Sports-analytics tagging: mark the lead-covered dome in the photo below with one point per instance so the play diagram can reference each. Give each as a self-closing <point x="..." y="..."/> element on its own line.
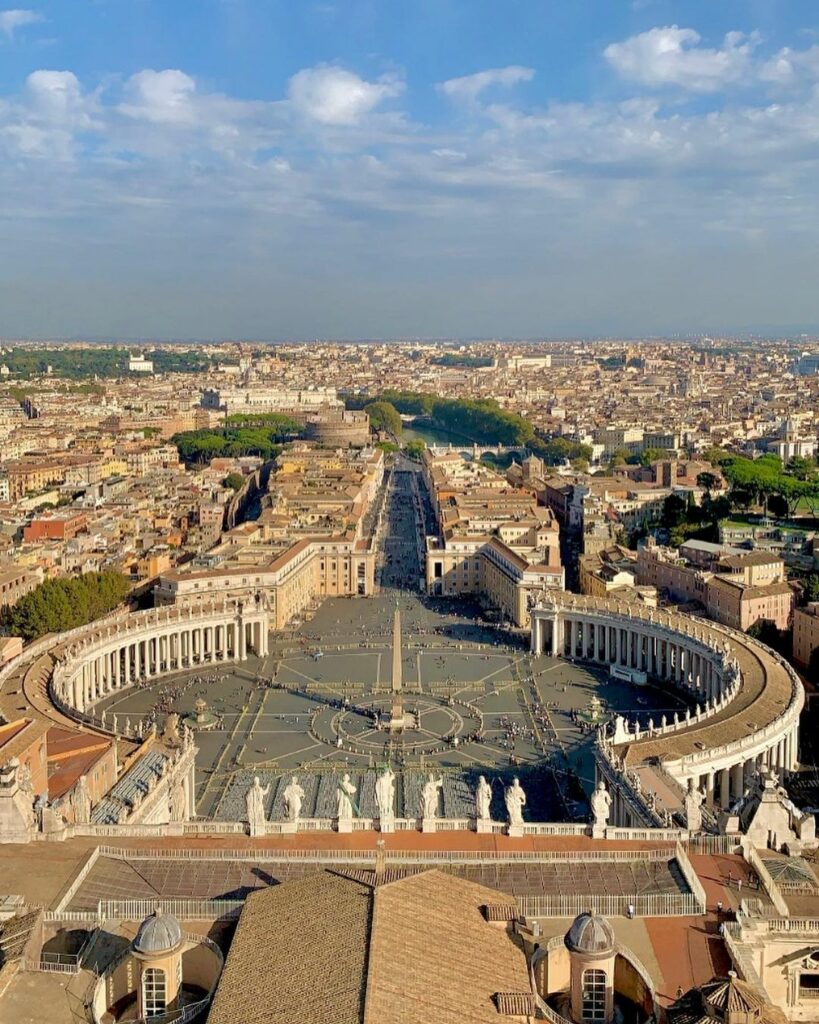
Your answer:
<point x="158" y="933"/>
<point x="590" y="934"/>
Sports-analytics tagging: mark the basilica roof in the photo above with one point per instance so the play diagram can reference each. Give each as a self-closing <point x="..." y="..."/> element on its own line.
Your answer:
<point x="343" y="950"/>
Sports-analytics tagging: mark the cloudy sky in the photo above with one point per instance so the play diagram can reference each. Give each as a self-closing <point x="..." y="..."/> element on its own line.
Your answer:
<point x="391" y="168"/>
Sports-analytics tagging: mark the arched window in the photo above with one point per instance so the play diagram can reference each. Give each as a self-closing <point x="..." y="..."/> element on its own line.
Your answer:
<point x="154" y="993"/>
<point x="594" y="995"/>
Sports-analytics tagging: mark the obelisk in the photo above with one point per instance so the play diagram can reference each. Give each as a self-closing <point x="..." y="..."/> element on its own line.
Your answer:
<point x="397" y="714"/>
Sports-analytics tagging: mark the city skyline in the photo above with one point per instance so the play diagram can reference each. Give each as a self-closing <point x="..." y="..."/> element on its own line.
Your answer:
<point x="239" y="169"/>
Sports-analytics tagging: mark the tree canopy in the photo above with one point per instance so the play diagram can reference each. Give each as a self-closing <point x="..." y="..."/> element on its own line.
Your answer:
<point x="235" y="481"/>
<point x="384" y="417"/>
<point x="199" y="446"/>
<point x="479" y="420"/>
<point x="760" y="480"/>
<point x="57" y="605"/>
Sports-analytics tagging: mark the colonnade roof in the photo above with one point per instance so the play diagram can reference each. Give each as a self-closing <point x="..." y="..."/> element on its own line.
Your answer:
<point x="766" y="691"/>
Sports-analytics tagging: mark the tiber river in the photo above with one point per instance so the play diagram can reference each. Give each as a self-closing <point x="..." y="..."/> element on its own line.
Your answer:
<point x="432" y="435"/>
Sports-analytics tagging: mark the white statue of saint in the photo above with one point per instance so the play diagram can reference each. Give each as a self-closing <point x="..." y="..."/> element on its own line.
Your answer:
<point x="293" y="797"/>
<point x="601" y="805"/>
<point x="429" y="796"/>
<point x="694" y="800"/>
<point x="483" y="799"/>
<point x="255" y="806"/>
<point x="178" y="802"/>
<point x="385" y="795"/>
<point x="515" y="800"/>
<point x="344" y="799"/>
<point x="81" y="801"/>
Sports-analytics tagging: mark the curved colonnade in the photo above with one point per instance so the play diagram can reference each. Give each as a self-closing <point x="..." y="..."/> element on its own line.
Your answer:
<point x="748" y="698"/>
<point x="114" y="654"/>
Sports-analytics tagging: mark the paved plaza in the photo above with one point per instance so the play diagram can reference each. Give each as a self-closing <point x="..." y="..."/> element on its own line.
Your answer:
<point x="316" y="705"/>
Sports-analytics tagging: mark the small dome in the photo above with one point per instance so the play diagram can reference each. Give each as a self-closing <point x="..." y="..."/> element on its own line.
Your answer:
<point x="158" y="933"/>
<point x="590" y="933"/>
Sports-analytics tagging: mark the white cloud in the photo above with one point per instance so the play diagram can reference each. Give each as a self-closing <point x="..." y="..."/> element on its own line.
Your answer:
<point x="788" y="67"/>
<point x="10" y="21"/>
<point x="468" y="87"/>
<point x="334" y="96"/>
<point x="56" y="96"/>
<point x="673" y="56"/>
<point x="163" y="97"/>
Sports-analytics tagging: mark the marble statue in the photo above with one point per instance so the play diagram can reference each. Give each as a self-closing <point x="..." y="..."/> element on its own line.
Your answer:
<point x="178" y="803"/>
<point x="515" y="800"/>
<point x="694" y="800"/>
<point x="293" y="797"/>
<point x="170" y="733"/>
<point x="385" y="795"/>
<point x="483" y="799"/>
<point x="255" y="799"/>
<point x="429" y="796"/>
<point x="344" y="799"/>
<point x="81" y="801"/>
<point x="601" y="805"/>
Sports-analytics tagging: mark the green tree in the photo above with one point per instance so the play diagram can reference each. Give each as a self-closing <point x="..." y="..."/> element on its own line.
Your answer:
<point x="61" y="604"/>
<point x="235" y="481"/>
<point x="716" y="456"/>
<point x="415" y="448"/>
<point x="649" y="455"/>
<point x="802" y="468"/>
<point x="618" y="457"/>
<point x="812" y="587"/>
<point x="708" y="481"/>
<point x="384" y="417"/>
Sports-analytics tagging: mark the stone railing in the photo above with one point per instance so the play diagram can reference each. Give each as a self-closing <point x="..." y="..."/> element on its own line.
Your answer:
<point x="392" y="857"/>
<point x="645" y="905"/>
<point x="732" y="937"/>
<point x="765" y="878"/>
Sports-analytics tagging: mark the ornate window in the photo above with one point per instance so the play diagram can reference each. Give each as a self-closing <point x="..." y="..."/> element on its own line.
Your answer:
<point x="154" y="993"/>
<point x="594" y="995"/>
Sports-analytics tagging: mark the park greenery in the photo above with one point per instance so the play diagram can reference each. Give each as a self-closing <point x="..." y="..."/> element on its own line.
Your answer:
<point x="480" y="420"/>
<point x="557" y="450"/>
<point x="762" y="483"/>
<point x="57" y="605"/>
<point x="263" y="439"/>
<point x="102" y="361"/>
<point x="460" y="359"/>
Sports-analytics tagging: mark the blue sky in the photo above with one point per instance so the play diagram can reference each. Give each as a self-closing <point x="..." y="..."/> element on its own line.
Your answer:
<point x="390" y="168"/>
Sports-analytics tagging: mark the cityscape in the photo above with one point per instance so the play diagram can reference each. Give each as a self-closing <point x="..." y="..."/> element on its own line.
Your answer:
<point x="409" y="600"/>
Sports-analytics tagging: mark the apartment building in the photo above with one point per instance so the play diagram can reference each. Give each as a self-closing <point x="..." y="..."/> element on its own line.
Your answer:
<point x="805" y="633"/>
<point x="494" y="542"/>
<point x="737" y="589"/>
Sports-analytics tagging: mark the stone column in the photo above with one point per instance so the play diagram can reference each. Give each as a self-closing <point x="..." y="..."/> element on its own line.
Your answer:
<point x="724" y="788"/>
<point x="241" y="647"/>
<point x="737" y="781"/>
<point x="709" y="788"/>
